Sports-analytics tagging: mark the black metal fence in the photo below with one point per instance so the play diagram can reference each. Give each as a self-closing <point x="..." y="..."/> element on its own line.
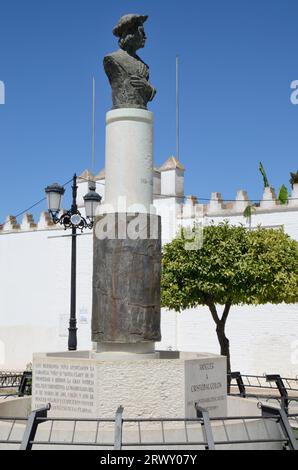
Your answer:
<point x="40" y="431"/>
<point x="269" y="414"/>
<point x="10" y="379"/>
<point x="17" y="384"/>
<point x="267" y="388"/>
<point x="266" y="382"/>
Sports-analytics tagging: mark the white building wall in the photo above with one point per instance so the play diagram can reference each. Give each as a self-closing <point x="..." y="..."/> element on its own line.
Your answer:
<point x="35" y="297"/>
<point x="35" y="294"/>
<point x="262" y="339"/>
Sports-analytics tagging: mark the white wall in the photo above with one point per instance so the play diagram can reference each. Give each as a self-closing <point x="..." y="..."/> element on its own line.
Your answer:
<point x="35" y="301"/>
<point x="35" y="293"/>
<point x="262" y="339"/>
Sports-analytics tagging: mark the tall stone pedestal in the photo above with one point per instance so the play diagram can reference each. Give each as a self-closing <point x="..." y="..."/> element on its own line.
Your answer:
<point x="126" y="281"/>
<point x="79" y="385"/>
<point x="127" y="241"/>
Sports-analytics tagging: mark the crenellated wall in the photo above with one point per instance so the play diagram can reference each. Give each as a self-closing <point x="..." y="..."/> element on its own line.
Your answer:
<point x="185" y="207"/>
<point x="27" y="224"/>
<point x="35" y="282"/>
<point x="268" y="203"/>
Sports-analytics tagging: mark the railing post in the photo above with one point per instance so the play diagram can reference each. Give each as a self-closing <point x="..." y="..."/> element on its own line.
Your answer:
<point x="237" y="376"/>
<point x="282" y="390"/>
<point x="206" y="426"/>
<point x="27" y="375"/>
<point x="32" y="425"/>
<point x="118" y="428"/>
<point x="282" y="418"/>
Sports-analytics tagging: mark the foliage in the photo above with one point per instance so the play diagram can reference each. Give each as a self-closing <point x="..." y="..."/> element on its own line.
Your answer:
<point x="248" y="211"/>
<point x="283" y="194"/>
<point x="263" y="173"/>
<point x="294" y="178"/>
<point x="235" y="266"/>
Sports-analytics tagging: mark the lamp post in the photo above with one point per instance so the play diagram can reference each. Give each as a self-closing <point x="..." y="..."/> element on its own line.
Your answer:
<point x="74" y="220"/>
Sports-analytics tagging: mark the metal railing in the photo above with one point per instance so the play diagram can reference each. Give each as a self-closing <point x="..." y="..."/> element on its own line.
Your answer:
<point x="283" y="390"/>
<point x="269" y="414"/>
<point x="11" y="431"/>
<point x="23" y="432"/>
<point x="10" y="379"/>
<point x="20" y="383"/>
<point x="266" y="381"/>
<point x="200" y="433"/>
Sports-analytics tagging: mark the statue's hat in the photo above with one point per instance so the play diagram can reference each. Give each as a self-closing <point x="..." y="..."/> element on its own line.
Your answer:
<point x="127" y="22"/>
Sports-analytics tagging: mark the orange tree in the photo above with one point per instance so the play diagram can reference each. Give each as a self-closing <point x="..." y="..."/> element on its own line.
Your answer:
<point x="235" y="266"/>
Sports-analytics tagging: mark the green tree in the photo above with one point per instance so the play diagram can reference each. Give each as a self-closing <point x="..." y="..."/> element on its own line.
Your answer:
<point x="283" y="194"/>
<point x="235" y="266"/>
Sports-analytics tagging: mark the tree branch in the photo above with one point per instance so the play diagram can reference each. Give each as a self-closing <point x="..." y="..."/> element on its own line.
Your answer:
<point x="212" y="309"/>
<point x="226" y="312"/>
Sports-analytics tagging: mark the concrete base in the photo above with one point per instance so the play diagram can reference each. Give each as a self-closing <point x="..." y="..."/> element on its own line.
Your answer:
<point x="80" y="385"/>
<point x="120" y="351"/>
<point x="16" y="407"/>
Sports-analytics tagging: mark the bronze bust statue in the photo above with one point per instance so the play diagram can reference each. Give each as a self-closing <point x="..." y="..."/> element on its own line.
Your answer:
<point x="127" y="73"/>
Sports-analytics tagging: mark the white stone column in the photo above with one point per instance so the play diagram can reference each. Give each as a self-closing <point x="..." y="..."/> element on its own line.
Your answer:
<point x="129" y="159"/>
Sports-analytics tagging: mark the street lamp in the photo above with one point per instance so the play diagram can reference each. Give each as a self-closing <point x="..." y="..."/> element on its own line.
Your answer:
<point x="73" y="219"/>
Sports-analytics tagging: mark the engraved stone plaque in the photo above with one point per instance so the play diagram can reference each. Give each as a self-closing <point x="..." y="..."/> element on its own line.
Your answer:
<point x="70" y="388"/>
<point x="206" y="385"/>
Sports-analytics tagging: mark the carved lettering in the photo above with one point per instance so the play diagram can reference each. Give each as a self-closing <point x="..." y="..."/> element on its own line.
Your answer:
<point x="69" y="388"/>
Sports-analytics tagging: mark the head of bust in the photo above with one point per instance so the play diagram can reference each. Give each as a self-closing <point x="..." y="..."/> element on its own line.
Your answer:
<point x="130" y="31"/>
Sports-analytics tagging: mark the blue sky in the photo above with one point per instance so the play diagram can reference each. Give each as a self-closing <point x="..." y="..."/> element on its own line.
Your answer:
<point x="238" y="58"/>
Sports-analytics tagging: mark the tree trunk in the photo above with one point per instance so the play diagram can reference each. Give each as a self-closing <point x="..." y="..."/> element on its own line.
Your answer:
<point x="220" y="331"/>
<point x="224" y="344"/>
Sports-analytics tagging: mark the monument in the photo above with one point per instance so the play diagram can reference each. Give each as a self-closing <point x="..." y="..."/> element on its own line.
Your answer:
<point x="126" y="294"/>
<point x="124" y="368"/>
<point x="127" y="73"/>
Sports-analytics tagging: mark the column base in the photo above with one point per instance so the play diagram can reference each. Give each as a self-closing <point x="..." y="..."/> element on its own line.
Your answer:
<point x="118" y="351"/>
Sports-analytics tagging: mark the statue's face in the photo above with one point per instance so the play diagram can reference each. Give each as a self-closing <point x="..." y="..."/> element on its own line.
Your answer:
<point x="137" y="39"/>
<point x="140" y="37"/>
<point x="133" y="40"/>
